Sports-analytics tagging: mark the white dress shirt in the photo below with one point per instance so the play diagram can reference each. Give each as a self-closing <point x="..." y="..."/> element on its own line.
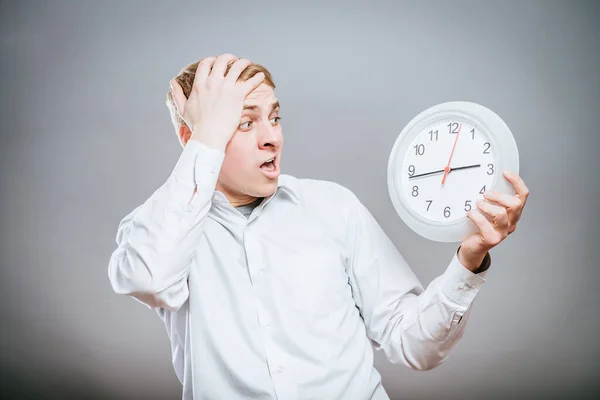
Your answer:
<point x="285" y="304"/>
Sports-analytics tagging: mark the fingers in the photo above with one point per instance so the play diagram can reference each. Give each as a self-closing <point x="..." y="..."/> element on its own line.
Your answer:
<point x="487" y="233"/>
<point x="513" y="203"/>
<point x="520" y="189"/>
<point x="236" y="70"/>
<point x="204" y="68"/>
<point x="213" y="68"/>
<point x="218" y="69"/>
<point x="497" y="214"/>
<point x="253" y="83"/>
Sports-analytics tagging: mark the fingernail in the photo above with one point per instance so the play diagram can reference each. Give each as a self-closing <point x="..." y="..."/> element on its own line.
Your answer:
<point x="508" y="173"/>
<point x="479" y="203"/>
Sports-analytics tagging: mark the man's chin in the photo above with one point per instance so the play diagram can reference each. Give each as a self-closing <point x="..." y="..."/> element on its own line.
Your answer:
<point x="266" y="189"/>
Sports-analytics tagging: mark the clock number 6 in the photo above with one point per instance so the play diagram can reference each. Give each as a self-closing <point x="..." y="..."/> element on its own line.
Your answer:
<point x="447" y="212"/>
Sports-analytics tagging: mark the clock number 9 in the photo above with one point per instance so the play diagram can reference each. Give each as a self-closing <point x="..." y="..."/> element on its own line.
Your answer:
<point x="411" y="170"/>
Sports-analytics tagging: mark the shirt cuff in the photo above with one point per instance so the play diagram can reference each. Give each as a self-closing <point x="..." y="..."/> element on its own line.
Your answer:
<point x="198" y="165"/>
<point x="460" y="284"/>
<point x="208" y="166"/>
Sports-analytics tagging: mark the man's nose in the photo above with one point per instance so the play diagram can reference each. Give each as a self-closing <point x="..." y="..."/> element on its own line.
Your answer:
<point x="269" y="136"/>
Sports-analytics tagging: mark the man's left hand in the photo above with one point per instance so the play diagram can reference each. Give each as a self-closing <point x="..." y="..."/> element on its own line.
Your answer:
<point x="501" y="221"/>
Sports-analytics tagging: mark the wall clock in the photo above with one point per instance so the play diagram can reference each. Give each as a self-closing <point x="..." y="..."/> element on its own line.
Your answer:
<point x="441" y="164"/>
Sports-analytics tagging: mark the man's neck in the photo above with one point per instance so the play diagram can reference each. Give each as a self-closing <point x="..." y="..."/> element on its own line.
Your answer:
<point x="246" y="203"/>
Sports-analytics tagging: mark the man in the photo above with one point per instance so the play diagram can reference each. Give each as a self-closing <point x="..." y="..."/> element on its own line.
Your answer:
<point x="274" y="287"/>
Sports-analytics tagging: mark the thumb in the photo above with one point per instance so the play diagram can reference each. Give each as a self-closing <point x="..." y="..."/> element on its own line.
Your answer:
<point x="178" y="97"/>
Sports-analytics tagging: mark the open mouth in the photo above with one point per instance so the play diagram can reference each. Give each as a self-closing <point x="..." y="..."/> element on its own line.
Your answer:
<point x="270" y="166"/>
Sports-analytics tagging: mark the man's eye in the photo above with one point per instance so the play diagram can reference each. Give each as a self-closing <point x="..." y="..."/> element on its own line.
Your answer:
<point x="275" y="120"/>
<point x="246" y="124"/>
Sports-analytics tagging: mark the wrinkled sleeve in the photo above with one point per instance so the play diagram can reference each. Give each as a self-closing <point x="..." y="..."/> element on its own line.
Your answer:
<point x="156" y="242"/>
<point x="412" y="325"/>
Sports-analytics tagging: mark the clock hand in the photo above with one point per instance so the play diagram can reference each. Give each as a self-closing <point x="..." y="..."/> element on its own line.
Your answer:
<point x="444" y="170"/>
<point x="447" y="169"/>
<point x="425" y="174"/>
<point x="465" y="167"/>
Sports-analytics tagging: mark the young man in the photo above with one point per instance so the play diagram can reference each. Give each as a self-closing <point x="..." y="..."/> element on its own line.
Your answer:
<point x="274" y="287"/>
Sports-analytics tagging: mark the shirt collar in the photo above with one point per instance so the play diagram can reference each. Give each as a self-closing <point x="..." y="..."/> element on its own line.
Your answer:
<point x="286" y="183"/>
<point x="289" y="184"/>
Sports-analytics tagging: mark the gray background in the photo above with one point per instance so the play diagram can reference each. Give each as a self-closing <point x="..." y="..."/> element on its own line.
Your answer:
<point x="86" y="137"/>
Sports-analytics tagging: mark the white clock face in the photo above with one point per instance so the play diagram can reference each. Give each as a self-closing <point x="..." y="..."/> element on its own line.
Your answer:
<point x="435" y="192"/>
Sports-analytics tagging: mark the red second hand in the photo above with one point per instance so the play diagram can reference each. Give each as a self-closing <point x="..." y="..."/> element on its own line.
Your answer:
<point x="447" y="169"/>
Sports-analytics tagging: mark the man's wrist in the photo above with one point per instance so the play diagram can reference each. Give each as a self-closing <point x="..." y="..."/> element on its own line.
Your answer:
<point x="474" y="262"/>
<point x="211" y="141"/>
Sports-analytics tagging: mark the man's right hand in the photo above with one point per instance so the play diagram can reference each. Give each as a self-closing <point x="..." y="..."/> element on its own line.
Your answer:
<point x="216" y="102"/>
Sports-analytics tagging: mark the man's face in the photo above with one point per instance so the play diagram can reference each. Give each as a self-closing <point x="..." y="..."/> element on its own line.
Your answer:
<point x="244" y="176"/>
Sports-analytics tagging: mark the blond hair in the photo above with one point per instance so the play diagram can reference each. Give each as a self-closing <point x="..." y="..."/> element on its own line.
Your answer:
<point x="186" y="76"/>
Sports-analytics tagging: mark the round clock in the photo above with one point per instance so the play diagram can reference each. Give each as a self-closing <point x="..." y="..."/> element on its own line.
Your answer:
<point x="441" y="164"/>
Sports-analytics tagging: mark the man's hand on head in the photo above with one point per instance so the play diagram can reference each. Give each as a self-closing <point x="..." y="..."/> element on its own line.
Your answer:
<point x="214" y="107"/>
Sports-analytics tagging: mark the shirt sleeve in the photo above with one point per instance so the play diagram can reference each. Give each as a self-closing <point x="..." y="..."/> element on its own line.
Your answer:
<point x="412" y="325"/>
<point x="156" y="242"/>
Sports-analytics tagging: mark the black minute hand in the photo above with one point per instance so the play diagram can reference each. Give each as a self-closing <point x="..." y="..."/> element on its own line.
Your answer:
<point x="441" y="170"/>
<point x="465" y="167"/>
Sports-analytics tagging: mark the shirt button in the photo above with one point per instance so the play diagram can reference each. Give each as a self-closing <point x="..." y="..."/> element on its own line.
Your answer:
<point x="461" y="286"/>
<point x="279" y="369"/>
<point x="265" y="321"/>
<point x="259" y="274"/>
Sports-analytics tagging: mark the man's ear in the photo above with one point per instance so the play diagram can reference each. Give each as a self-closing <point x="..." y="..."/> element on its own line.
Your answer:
<point x="184" y="134"/>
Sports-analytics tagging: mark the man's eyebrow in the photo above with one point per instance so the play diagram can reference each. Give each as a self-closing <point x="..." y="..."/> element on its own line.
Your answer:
<point x="274" y="106"/>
